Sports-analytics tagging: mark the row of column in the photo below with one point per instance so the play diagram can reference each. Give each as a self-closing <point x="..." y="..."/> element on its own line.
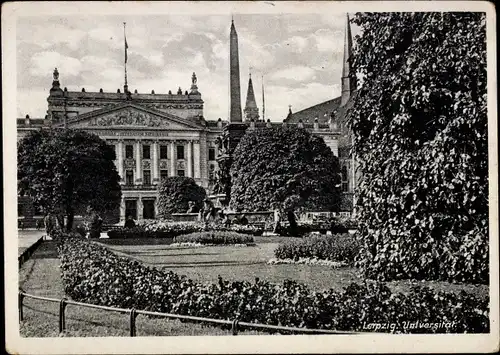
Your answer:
<point x="192" y="156"/>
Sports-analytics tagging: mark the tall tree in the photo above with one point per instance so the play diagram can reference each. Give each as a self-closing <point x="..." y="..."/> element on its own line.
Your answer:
<point x="420" y="133"/>
<point x="286" y="167"/>
<point x="65" y="171"/>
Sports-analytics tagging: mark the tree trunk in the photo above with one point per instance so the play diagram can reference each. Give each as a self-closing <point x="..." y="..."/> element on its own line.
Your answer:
<point x="293" y="223"/>
<point x="70" y="217"/>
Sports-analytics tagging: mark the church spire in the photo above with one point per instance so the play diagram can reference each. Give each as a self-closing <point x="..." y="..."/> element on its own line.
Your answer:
<point x="251" y="110"/>
<point x="348" y="77"/>
<point x="234" y="77"/>
<point x="289" y="116"/>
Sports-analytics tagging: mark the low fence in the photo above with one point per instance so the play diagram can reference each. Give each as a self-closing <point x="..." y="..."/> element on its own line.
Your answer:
<point x="26" y="254"/>
<point x="235" y="324"/>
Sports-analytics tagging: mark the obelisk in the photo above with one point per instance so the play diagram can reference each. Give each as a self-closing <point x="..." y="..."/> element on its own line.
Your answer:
<point x="234" y="77"/>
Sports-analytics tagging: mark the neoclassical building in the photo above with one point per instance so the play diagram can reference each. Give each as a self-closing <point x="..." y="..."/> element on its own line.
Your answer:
<point x="160" y="135"/>
<point x="154" y="135"/>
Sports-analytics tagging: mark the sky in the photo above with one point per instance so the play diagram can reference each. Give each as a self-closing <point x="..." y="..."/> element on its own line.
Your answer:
<point x="299" y="55"/>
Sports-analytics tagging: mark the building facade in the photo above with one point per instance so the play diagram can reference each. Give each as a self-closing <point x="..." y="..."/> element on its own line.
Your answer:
<point x="160" y="135"/>
<point x="154" y="135"/>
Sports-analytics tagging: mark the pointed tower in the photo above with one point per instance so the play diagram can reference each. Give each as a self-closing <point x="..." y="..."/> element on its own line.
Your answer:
<point x="251" y="110"/>
<point x="348" y="77"/>
<point x="289" y="116"/>
<point x="234" y="77"/>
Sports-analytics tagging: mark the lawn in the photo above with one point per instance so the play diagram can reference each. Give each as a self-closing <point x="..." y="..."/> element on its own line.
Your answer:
<point x="205" y="264"/>
<point x="41" y="276"/>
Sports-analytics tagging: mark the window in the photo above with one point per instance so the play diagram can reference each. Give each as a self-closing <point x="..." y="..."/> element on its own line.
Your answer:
<point x="180" y="152"/>
<point x="129" y="151"/>
<point x="129" y="177"/>
<point x="147" y="177"/>
<point x="131" y="209"/>
<point x="180" y="173"/>
<point x="146" y="151"/>
<point x="211" y="153"/>
<point x="163" y="152"/>
<point x="148" y="209"/>
<point x="163" y="174"/>
<point x="345" y="184"/>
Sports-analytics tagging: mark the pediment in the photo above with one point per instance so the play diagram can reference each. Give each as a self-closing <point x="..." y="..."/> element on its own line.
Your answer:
<point x="131" y="116"/>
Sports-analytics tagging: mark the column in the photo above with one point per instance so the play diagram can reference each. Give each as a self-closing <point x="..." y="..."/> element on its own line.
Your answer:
<point x="190" y="159"/>
<point x="140" y="208"/>
<point x="173" y="170"/>
<point x="155" y="174"/>
<point x="120" y="161"/>
<point x="156" y="208"/>
<point x="122" y="210"/>
<point x="138" y="163"/>
<point x="204" y="158"/>
<point x="197" y="163"/>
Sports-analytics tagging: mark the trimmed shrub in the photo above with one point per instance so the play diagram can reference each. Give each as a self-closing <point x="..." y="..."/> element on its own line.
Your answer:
<point x="339" y="248"/>
<point x="175" y="193"/>
<point x="91" y="273"/>
<point x="215" y="237"/>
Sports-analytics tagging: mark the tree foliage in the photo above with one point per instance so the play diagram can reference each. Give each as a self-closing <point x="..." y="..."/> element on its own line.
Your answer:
<point x="176" y="192"/>
<point x="420" y="129"/>
<point x="285" y="166"/>
<point x="68" y="171"/>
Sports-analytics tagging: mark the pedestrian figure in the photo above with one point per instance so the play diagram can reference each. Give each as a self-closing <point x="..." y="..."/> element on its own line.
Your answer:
<point x="277" y="221"/>
<point x="129" y="223"/>
<point x="49" y="224"/>
<point x="208" y="209"/>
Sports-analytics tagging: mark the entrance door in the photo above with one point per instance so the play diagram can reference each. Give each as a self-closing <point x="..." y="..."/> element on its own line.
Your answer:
<point x="131" y="209"/>
<point x="148" y="211"/>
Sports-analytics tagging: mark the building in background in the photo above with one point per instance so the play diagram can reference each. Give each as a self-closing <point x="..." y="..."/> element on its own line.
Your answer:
<point x="160" y="135"/>
<point x="154" y="135"/>
<point x="333" y="112"/>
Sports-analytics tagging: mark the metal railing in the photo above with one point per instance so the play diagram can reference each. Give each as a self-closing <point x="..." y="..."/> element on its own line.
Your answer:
<point x="235" y="324"/>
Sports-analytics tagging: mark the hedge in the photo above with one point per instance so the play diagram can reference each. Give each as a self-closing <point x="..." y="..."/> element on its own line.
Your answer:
<point x="91" y="273"/>
<point x="335" y="225"/>
<point x="215" y="237"/>
<point x="338" y="247"/>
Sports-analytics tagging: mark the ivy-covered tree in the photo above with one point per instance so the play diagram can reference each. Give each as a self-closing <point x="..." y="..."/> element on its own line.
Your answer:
<point x="66" y="171"/>
<point x="175" y="193"/>
<point x="420" y="132"/>
<point x="284" y="167"/>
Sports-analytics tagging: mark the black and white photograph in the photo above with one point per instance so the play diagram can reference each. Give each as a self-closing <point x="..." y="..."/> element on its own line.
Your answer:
<point x="250" y="177"/>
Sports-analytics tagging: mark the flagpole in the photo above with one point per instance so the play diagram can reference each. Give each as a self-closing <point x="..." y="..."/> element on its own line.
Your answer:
<point x="263" y="102"/>
<point x="125" y="87"/>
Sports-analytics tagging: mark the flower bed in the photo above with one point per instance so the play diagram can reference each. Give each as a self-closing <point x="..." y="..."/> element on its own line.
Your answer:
<point x="91" y="273"/>
<point x="308" y="261"/>
<point x="215" y="238"/>
<point x="162" y="229"/>
<point x="338" y="248"/>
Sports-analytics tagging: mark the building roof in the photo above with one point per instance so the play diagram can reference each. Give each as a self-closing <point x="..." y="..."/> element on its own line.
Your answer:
<point x="321" y="111"/>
